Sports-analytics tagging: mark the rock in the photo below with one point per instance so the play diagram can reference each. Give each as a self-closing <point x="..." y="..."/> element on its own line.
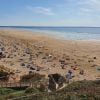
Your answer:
<point x="22" y="64"/>
<point x="54" y="65"/>
<point x="32" y="68"/>
<point x="94" y="65"/>
<point x="28" y="66"/>
<point x="2" y="55"/>
<point x="98" y="68"/>
<point x="66" y="63"/>
<point x="68" y="76"/>
<point x="20" y="59"/>
<point x="44" y="58"/>
<point x="70" y="72"/>
<point x="94" y="57"/>
<point x="67" y="58"/>
<point x="90" y="60"/>
<point x="30" y="72"/>
<point x="54" y="58"/>
<point x="10" y="56"/>
<point x="38" y="68"/>
<point x="49" y="56"/>
<point x="24" y="54"/>
<point x="17" y="71"/>
<point x="75" y="62"/>
<point x="2" y="49"/>
<point x="40" y="52"/>
<point x="28" y="51"/>
<point x="55" y="81"/>
<point x="62" y="66"/>
<point x="49" y="60"/>
<point x="61" y="60"/>
<point x="81" y="72"/>
<point x="37" y="55"/>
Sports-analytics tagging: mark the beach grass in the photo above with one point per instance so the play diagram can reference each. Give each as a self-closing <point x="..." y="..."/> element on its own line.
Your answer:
<point x="80" y="90"/>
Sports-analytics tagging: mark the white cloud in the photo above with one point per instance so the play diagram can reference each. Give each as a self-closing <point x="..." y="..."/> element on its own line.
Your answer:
<point x="86" y="10"/>
<point x="93" y="5"/>
<point x="41" y="10"/>
<point x="88" y="7"/>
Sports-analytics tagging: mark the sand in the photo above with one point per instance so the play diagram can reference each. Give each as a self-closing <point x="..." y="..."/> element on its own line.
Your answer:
<point x="27" y="51"/>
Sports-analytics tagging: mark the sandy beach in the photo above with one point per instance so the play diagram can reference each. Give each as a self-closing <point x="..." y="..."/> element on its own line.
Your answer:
<point x="26" y="51"/>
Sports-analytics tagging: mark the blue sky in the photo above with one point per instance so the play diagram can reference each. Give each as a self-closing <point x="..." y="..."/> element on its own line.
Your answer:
<point x="50" y="12"/>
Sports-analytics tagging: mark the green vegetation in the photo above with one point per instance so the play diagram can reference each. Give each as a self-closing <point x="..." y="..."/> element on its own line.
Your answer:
<point x="81" y="90"/>
<point x="5" y="91"/>
<point x="81" y="86"/>
<point x="31" y="90"/>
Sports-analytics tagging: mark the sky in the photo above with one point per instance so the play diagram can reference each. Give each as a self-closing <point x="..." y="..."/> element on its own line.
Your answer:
<point x="50" y="13"/>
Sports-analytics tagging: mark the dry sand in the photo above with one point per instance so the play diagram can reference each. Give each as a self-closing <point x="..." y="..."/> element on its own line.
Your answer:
<point x="25" y="51"/>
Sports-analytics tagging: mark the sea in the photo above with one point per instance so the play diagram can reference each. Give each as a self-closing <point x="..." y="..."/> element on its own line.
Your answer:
<point x="67" y="33"/>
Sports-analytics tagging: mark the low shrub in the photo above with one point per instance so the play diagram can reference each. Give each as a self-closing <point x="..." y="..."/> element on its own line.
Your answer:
<point x="31" y="90"/>
<point x="4" y="91"/>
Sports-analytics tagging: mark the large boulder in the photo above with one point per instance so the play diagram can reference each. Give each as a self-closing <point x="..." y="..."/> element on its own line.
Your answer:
<point x="4" y="76"/>
<point x="2" y="55"/>
<point x="56" y="81"/>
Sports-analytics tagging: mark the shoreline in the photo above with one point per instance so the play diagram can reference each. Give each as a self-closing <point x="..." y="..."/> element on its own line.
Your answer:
<point x="45" y="34"/>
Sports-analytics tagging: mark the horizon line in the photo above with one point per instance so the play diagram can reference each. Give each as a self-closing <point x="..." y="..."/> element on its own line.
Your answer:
<point x="46" y="26"/>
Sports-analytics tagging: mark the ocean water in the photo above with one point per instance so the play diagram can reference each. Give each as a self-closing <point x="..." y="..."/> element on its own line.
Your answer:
<point x="68" y="33"/>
